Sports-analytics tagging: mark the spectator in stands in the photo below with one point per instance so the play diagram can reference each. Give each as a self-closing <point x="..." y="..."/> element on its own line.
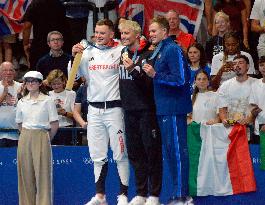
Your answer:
<point x="258" y="24"/>
<point x="184" y="40"/>
<point x="76" y="16"/>
<point x="9" y="90"/>
<point x="80" y="111"/>
<point x="197" y="62"/>
<point x="222" y="67"/>
<point x="44" y="16"/>
<point x="37" y="120"/>
<point x="64" y="101"/>
<point x="204" y="101"/>
<point x="56" y="58"/>
<point x="215" y="44"/>
<point x="81" y="105"/>
<point x="237" y="12"/>
<point x="116" y="27"/>
<point x="100" y="9"/>
<point x="257" y="98"/>
<point x="233" y="94"/>
<point x="6" y="46"/>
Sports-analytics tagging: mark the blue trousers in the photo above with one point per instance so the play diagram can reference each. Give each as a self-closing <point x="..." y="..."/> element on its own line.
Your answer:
<point x="175" y="152"/>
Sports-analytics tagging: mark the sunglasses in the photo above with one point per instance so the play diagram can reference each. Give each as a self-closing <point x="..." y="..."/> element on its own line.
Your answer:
<point x="32" y="80"/>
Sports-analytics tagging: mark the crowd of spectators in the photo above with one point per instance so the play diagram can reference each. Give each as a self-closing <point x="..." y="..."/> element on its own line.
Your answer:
<point x="52" y="27"/>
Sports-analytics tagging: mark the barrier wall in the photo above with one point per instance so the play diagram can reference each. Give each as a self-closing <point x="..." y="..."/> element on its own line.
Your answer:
<point x="74" y="181"/>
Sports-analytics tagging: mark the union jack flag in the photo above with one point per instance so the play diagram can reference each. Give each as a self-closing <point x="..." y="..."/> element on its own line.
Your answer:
<point x="143" y="11"/>
<point x="11" y="12"/>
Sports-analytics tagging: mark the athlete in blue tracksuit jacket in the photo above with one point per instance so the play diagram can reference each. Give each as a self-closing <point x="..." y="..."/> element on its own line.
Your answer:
<point x="172" y="98"/>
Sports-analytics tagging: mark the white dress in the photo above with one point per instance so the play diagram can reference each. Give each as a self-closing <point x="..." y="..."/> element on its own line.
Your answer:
<point x="205" y="107"/>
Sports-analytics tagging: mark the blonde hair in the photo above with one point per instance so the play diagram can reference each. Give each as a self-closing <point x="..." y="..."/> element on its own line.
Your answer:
<point x="54" y="74"/>
<point x="222" y="15"/>
<point x="131" y="25"/>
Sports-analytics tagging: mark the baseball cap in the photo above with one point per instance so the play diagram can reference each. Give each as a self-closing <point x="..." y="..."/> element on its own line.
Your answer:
<point x="33" y="74"/>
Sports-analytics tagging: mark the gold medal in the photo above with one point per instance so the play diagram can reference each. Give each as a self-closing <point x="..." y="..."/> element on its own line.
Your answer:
<point x="125" y="55"/>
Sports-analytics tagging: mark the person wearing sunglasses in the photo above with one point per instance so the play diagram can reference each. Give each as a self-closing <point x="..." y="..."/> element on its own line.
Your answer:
<point x="37" y="120"/>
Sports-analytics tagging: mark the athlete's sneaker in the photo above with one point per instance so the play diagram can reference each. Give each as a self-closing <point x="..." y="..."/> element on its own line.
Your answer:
<point x="152" y="200"/>
<point x="138" y="200"/>
<point x="122" y="200"/>
<point x="97" y="201"/>
<point x="178" y="201"/>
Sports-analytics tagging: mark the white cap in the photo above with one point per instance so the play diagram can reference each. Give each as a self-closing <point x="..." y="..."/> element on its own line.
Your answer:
<point x="33" y="74"/>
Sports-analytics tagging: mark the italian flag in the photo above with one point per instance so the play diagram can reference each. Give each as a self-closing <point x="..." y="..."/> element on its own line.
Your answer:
<point x="219" y="159"/>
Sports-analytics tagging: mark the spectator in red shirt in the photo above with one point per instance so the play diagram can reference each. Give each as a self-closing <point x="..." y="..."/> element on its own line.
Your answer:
<point x="180" y="37"/>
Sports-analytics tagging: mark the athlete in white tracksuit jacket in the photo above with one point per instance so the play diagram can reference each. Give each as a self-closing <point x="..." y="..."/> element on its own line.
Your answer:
<point x="100" y="66"/>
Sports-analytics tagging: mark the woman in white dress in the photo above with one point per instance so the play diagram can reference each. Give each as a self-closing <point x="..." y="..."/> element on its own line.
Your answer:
<point x="203" y="101"/>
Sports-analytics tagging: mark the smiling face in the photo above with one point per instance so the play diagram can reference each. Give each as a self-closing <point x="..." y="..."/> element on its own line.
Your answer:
<point x="221" y="24"/>
<point x="156" y="33"/>
<point x="58" y="85"/>
<point x="7" y="71"/>
<point x="128" y="37"/>
<point x="103" y="34"/>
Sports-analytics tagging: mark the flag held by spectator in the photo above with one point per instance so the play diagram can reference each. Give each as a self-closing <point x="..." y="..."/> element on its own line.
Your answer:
<point x="143" y="11"/>
<point x="11" y="13"/>
<point x="220" y="162"/>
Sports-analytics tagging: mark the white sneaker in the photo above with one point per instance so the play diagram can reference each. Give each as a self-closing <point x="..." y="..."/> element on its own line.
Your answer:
<point x="152" y="200"/>
<point x="189" y="201"/>
<point x="97" y="201"/>
<point x="138" y="200"/>
<point x="122" y="200"/>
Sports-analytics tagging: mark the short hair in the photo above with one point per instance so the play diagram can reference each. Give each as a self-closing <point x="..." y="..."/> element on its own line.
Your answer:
<point x="161" y="21"/>
<point x="106" y="22"/>
<point x="132" y="25"/>
<point x="243" y="57"/>
<point x="262" y="59"/>
<point x="54" y="74"/>
<point x="173" y="11"/>
<point x="53" y="32"/>
<point x="222" y="15"/>
<point x="7" y="63"/>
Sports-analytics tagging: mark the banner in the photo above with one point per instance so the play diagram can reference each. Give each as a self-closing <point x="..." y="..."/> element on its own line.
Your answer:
<point x="74" y="180"/>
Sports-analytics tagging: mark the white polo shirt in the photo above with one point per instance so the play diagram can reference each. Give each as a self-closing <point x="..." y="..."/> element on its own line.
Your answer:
<point x="37" y="113"/>
<point x="217" y="63"/>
